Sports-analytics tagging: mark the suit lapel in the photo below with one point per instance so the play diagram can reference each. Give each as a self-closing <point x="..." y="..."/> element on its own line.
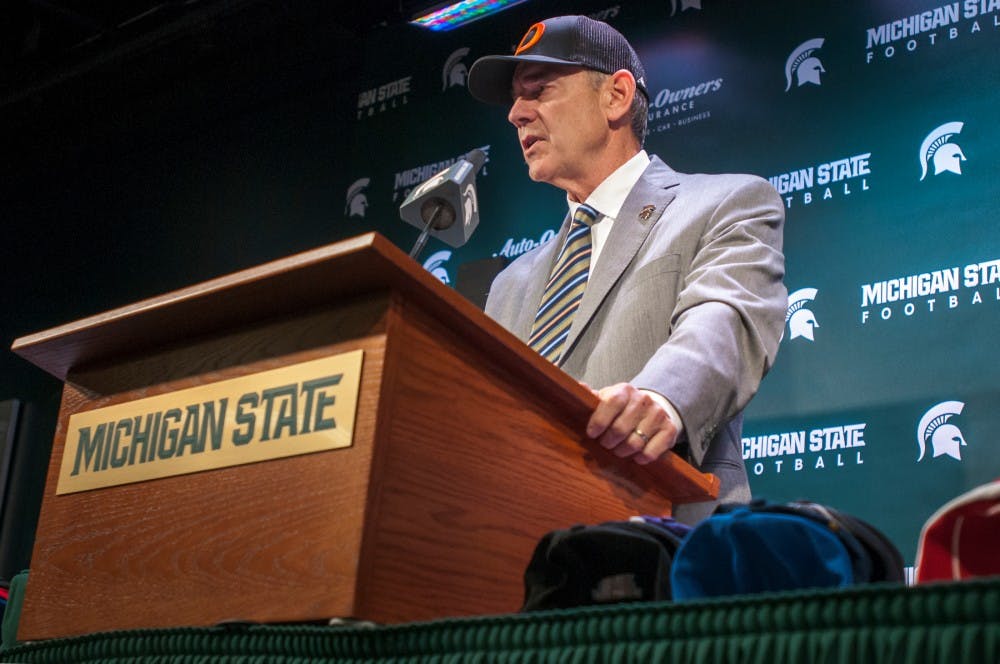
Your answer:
<point x="641" y="211"/>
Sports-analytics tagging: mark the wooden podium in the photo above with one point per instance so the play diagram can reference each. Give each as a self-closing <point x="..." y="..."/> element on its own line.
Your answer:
<point x="467" y="448"/>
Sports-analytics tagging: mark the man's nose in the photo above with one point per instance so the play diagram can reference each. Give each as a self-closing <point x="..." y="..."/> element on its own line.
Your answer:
<point x="520" y="112"/>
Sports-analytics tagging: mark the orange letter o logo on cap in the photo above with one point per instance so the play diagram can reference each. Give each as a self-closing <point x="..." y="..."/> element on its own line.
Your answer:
<point x="530" y="38"/>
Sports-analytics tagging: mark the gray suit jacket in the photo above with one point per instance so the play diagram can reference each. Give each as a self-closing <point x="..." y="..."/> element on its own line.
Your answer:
<point x="688" y="302"/>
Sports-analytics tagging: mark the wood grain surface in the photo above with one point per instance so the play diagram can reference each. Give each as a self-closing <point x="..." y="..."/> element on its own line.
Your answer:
<point x="475" y="468"/>
<point x="217" y="545"/>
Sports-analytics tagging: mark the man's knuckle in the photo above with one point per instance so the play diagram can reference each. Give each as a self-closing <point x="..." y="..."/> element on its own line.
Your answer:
<point x="626" y="448"/>
<point x="646" y="457"/>
<point x="619" y="400"/>
<point x="621" y="430"/>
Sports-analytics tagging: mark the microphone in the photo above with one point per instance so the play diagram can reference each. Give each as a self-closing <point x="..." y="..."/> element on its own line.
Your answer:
<point x="437" y="204"/>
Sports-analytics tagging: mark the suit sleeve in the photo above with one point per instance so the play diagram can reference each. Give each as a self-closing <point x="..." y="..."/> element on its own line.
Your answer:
<point x="729" y="315"/>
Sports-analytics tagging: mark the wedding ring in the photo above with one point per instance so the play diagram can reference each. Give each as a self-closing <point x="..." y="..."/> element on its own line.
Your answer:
<point x="637" y="431"/>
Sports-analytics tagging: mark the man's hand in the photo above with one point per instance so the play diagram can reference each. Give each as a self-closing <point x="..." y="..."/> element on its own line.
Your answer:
<point x="631" y="424"/>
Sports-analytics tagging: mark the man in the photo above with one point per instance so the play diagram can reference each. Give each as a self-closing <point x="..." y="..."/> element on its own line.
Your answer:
<point x="671" y="302"/>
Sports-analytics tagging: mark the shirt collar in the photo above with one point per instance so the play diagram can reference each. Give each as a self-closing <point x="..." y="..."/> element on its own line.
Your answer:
<point x="610" y="195"/>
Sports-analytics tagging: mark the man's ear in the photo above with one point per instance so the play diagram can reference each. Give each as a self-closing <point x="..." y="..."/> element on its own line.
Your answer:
<point x="620" y="90"/>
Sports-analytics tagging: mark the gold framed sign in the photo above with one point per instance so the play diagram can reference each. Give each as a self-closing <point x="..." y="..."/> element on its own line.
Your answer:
<point x="298" y="409"/>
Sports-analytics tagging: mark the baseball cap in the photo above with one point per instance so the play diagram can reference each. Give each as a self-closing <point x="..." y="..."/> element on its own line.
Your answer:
<point x="563" y="40"/>
<point x="960" y="540"/>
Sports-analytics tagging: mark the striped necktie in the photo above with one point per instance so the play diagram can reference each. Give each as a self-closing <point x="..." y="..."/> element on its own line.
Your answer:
<point x="564" y="289"/>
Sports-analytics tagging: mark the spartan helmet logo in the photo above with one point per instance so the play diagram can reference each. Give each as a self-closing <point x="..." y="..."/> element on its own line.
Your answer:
<point x="470" y="204"/>
<point x="435" y="265"/>
<point x="804" y="65"/>
<point x="937" y="147"/>
<point x="357" y="202"/>
<point x="685" y="5"/>
<point x="455" y="72"/>
<point x="945" y="438"/>
<point x="800" y="320"/>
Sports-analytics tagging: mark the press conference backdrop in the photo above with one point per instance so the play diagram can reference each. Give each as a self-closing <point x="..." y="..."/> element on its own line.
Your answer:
<point x="876" y="122"/>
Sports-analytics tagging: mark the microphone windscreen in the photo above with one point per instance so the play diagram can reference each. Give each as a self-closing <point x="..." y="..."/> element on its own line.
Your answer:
<point x="477" y="158"/>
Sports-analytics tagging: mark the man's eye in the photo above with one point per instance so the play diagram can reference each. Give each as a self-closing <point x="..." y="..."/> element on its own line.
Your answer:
<point x="531" y="91"/>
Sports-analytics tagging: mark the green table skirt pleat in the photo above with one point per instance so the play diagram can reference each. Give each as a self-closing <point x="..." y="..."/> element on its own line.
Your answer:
<point x="944" y="623"/>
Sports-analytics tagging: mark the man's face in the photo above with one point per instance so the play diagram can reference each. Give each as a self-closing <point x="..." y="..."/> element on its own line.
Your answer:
<point x="560" y="122"/>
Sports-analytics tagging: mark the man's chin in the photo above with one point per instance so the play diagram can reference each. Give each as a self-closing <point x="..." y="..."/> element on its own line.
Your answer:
<point x="536" y="172"/>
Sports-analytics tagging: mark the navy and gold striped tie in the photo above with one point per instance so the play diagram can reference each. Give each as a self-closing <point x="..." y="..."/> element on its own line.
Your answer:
<point x="564" y="289"/>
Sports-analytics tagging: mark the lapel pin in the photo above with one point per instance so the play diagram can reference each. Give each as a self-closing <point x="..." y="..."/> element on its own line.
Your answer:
<point x="647" y="212"/>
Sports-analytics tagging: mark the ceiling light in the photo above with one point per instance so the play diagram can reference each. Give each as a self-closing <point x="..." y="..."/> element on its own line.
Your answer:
<point x="449" y="17"/>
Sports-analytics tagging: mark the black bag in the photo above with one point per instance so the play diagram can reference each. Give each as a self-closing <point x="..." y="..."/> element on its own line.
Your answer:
<point x="617" y="561"/>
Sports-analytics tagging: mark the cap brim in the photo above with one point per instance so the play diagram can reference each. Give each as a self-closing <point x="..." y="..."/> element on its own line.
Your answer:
<point x="490" y="77"/>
